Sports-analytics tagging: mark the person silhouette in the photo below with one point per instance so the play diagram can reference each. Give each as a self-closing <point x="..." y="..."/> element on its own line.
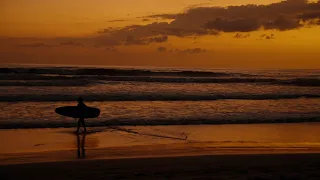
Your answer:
<point x="81" y="108"/>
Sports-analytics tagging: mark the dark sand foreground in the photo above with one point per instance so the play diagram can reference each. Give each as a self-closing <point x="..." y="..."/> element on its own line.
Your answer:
<point x="276" y="166"/>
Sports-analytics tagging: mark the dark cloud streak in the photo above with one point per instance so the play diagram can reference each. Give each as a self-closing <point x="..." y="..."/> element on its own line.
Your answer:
<point x="36" y="45"/>
<point x="233" y="25"/>
<point x="117" y="20"/>
<point x="71" y="43"/>
<point x="193" y="51"/>
<point x="241" y="36"/>
<point x="200" y="21"/>
<point x="162" y="49"/>
<point x="267" y="36"/>
<point x="285" y="15"/>
<point x="182" y="51"/>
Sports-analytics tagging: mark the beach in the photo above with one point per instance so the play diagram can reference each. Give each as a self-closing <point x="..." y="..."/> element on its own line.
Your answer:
<point x="277" y="166"/>
<point x="268" y="151"/>
<point x="150" y="89"/>
<point x="160" y="123"/>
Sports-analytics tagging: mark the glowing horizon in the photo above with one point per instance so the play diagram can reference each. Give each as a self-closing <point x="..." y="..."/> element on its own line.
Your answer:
<point x="183" y="33"/>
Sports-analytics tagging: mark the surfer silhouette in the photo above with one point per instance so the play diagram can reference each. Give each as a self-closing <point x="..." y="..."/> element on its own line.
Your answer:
<point x="81" y="108"/>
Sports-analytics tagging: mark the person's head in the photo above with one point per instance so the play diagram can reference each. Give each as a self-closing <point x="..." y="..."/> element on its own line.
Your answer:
<point x="80" y="100"/>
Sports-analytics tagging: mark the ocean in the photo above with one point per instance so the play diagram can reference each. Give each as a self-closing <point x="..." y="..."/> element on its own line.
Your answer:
<point x="131" y="96"/>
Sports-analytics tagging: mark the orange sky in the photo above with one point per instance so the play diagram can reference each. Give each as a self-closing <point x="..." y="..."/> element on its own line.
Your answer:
<point x="282" y="35"/>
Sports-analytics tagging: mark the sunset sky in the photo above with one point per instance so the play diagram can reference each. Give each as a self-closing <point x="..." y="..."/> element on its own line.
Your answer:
<point x="164" y="33"/>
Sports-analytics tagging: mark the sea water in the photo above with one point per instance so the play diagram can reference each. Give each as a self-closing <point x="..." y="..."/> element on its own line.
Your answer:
<point x="157" y="96"/>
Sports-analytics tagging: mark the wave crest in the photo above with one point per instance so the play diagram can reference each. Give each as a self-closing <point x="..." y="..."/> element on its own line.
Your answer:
<point x="143" y="122"/>
<point x="112" y="72"/>
<point x="14" y="80"/>
<point x="150" y="97"/>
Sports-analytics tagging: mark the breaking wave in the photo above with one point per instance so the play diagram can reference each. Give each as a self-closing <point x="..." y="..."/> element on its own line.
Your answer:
<point x="10" y="80"/>
<point x="55" y="76"/>
<point x="113" y="72"/>
<point x="144" y="122"/>
<point x="46" y="83"/>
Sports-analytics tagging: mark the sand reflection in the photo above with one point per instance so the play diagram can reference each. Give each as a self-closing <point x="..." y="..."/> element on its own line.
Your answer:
<point x="81" y="140"/>
<point x="86" y="141"/>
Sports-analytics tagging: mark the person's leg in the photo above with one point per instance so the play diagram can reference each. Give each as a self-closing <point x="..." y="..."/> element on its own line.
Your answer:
<point x="84" y="125"/>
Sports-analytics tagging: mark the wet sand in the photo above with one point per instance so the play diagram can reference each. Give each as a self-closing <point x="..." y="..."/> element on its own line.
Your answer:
<point x="275" y="151"/>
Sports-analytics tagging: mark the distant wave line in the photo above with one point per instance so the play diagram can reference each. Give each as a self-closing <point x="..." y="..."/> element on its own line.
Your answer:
<point x="113" y="72"/>
<point x="90" y="80"/>
<point x="141" y="122"/>
<point x="150" y="97"/>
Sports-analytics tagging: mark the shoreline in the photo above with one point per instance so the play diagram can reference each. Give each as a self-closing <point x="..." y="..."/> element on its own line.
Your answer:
<point x="62" y="144"/>
<point x="145" y="152"/>
<point x="111" y="124"/>
<point x="260" y="151"/>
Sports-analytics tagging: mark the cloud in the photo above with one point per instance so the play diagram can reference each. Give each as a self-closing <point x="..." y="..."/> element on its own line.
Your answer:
<point x="285" y="15"/>
<point x="163" y="16"/>
<point x="310" y="18"/>
<point x="267" y="36"/>
<point x="283" y="24"/>
<point x="234" y="25"/>
<point x="181" y="51"/>
<point x="131" y="40"/>
<point x="36" y="45"/>
<point x="200" y="21"/>
<point x="154" y="29"/>
<point x="193" y="51"/>
<point x="71" y="43"/>
<point x="241" y="36"/>
<point x="132" y="35"/>
<point x="104" y="42"/>
<point x="187" y="32"/>
<point x="309" y="15"/>
<point x="117" y="20"/>
<point x="158" y="39"/>
<point x="162" y="49"/>
<point x="49" y="43"/>
<point x="111" y="49"/>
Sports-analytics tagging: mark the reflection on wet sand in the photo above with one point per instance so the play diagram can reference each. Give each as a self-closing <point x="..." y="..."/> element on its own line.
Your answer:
<point x="86" y="141"/>
<point x="81" y="140"/>
<point x="43" y="145"/>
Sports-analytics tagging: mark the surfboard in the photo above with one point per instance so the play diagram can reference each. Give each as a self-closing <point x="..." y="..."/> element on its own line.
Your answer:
<point x="73" y="111"/>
